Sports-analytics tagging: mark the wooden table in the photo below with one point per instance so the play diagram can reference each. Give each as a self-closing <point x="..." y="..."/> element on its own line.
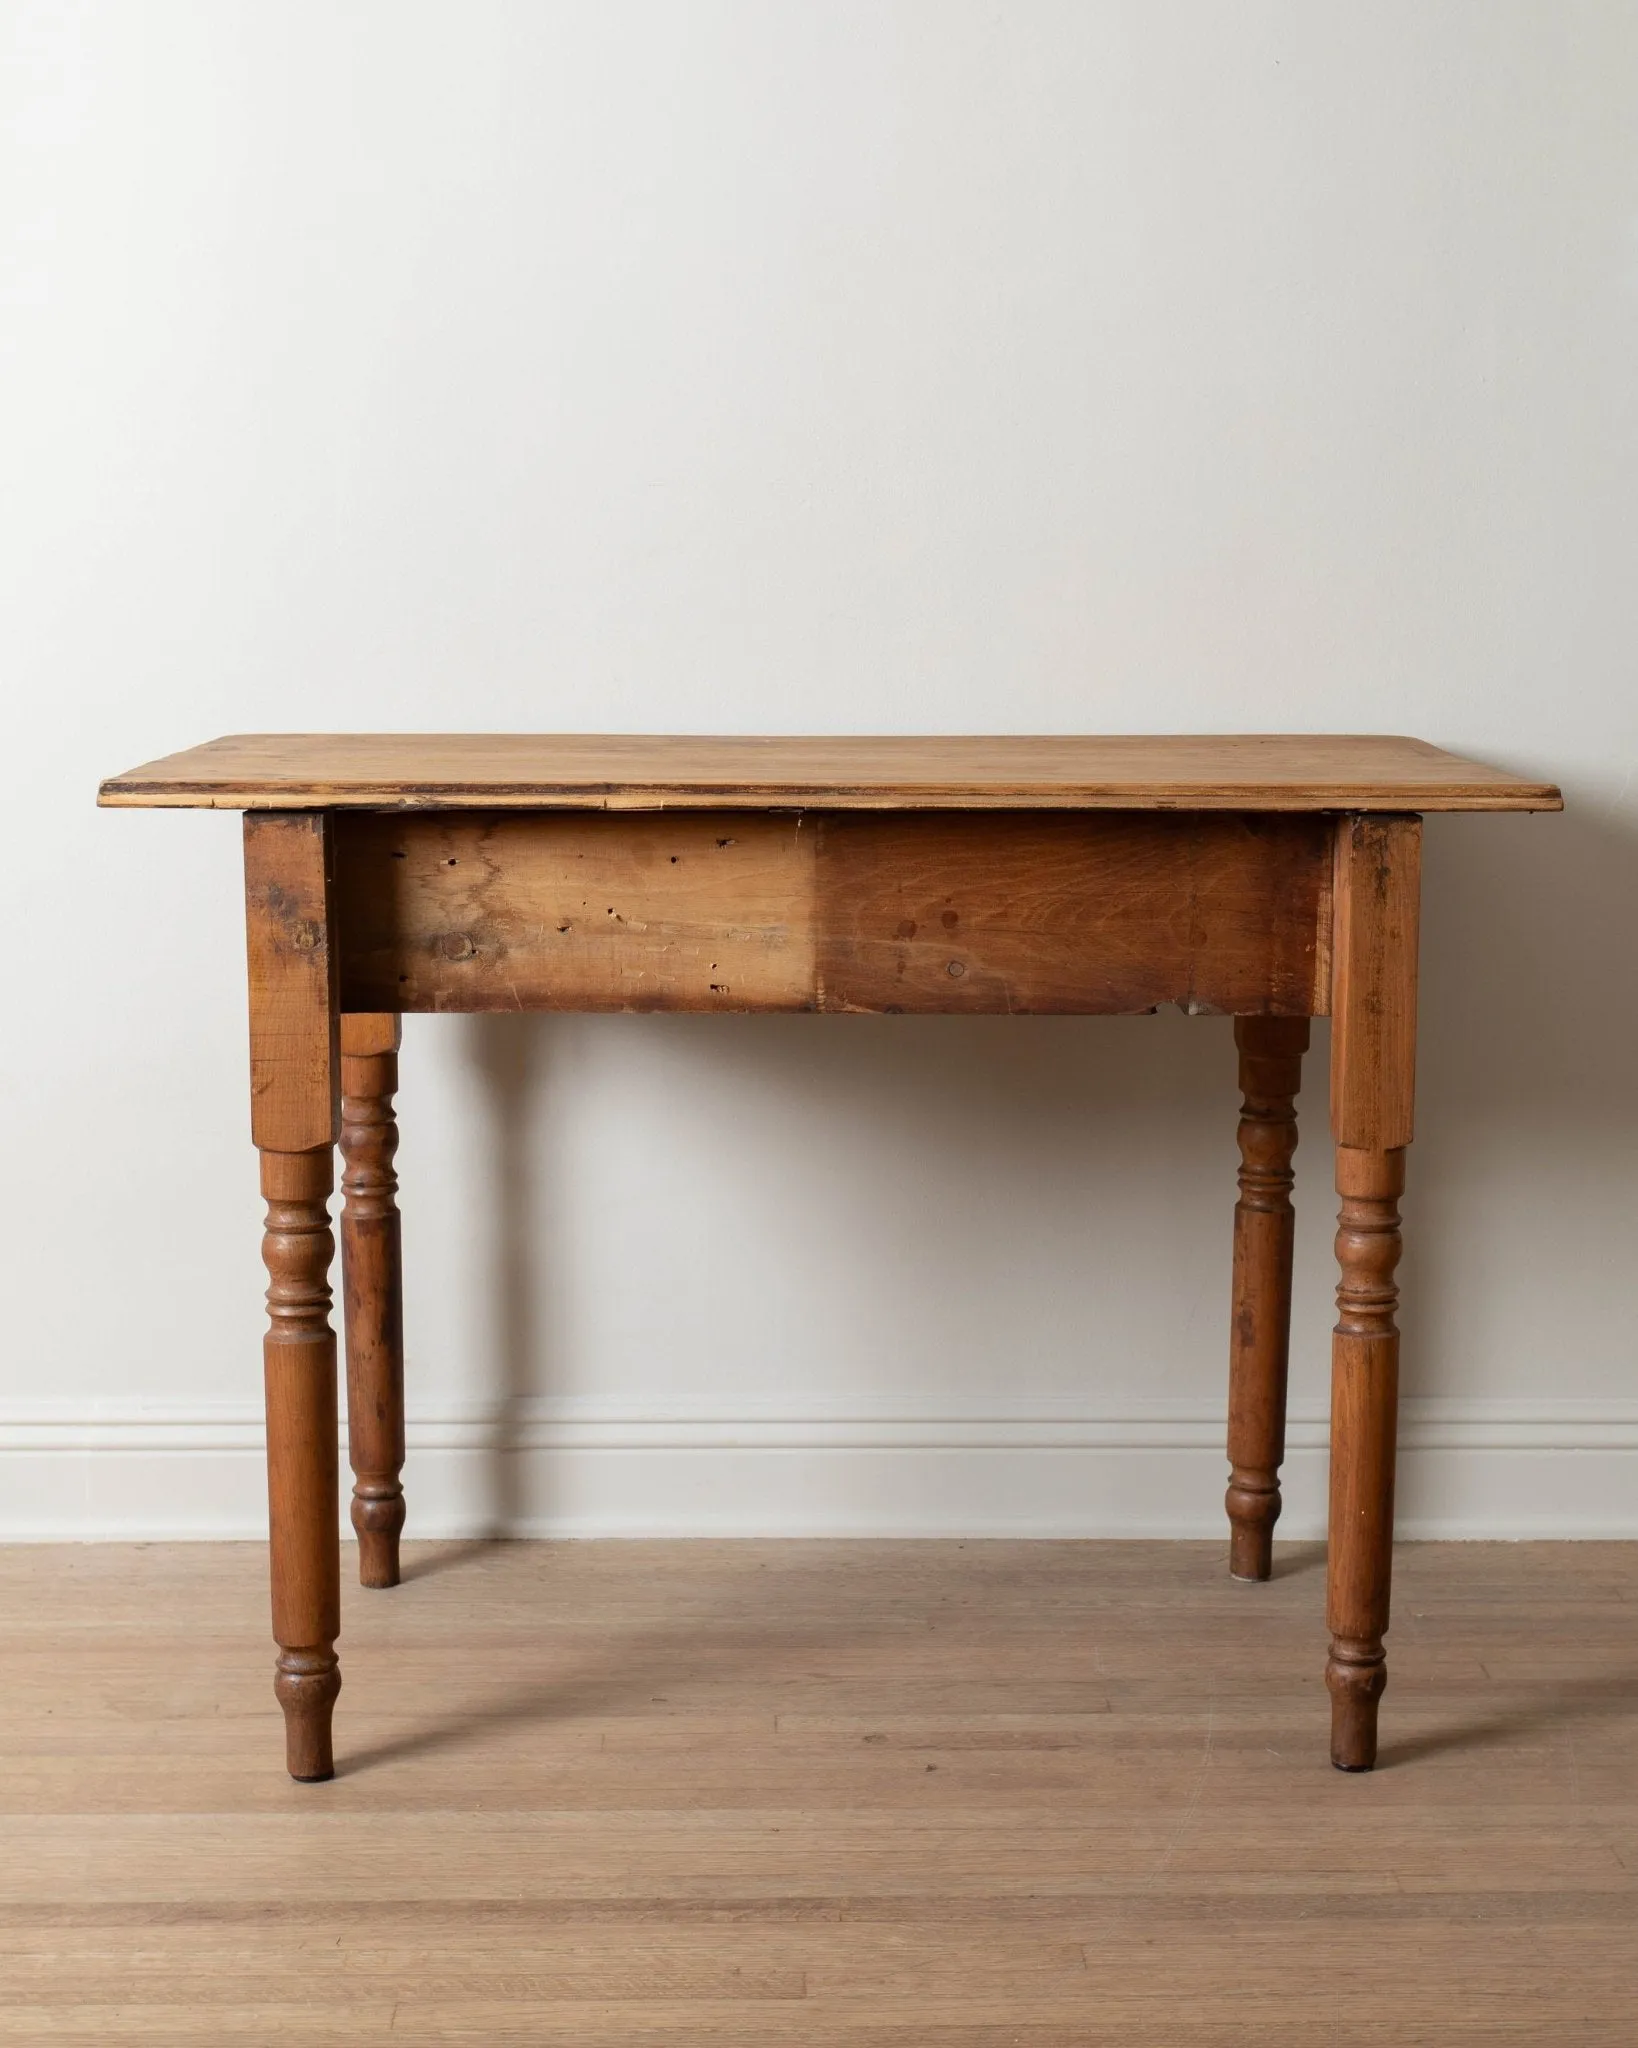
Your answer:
<point x="1274" y="879"/>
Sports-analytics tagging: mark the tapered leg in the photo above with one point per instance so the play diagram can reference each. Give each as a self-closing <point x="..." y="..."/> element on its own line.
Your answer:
<point x="1373" y="1068"/>
<point x="299" y="1363"/>
<point x="293" y="1115"/>
<point x="1271" y="1050"/>
<point x="1364" y="1417"/>
<point x="372" y="1288"/>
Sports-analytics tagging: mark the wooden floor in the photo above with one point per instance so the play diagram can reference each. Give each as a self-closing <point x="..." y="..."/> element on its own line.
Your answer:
<point x="932" y="1795"/>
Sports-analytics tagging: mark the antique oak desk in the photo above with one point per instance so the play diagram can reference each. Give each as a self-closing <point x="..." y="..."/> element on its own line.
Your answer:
<point x="1271" y="879"/>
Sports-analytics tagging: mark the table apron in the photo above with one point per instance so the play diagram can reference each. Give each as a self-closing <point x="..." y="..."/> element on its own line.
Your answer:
<point x="967" y="912"/>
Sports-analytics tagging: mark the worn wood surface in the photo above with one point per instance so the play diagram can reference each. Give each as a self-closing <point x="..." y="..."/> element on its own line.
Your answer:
<point x="491" y="911"/>
<point x="373" y="1291"/>
<point x="1236" y="772"/>
<point x="1376" y="915"/>
<point x="1093" y="914"/>
<point x="1271" y="1050"/>
<point x="977" y="912"/>
<point x="807" y="1795"/>
<point x="295" y="1075"/>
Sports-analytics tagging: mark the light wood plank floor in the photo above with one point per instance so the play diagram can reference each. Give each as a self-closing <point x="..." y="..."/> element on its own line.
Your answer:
<point x="796" y="1795"/>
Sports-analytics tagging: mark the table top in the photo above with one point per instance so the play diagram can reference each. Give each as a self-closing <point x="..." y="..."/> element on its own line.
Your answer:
<point x="586" y="771"/>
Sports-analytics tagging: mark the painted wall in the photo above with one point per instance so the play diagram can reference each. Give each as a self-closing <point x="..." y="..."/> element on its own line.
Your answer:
<point x="914" y="365"/>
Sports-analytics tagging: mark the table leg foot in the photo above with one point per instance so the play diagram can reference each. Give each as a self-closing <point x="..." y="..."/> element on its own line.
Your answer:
<point x="1355" y="1676"/>
<point x="1251" y="1534"/>
<point x="378" y="1522"/>
<point x="305" y="1683"/>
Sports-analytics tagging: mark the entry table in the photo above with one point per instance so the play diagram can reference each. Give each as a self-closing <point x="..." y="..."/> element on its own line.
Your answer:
<point x="1270" y="878"/>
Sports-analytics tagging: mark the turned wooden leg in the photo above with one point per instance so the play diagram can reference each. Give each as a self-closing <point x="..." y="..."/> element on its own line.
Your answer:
<point x="294" y="1116"/>
<point x="1364" y="1418"/>
<point x="1373" y="1067"/>
<point x="299" y="1363"/>
<point x="1271" y="1050"/>
<point x="372" y="1289"/>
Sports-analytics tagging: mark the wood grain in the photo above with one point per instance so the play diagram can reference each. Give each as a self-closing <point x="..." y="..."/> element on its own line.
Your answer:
<point x="1364" y="1429"/>
<point x="1271" y="1050"/>
<point x="295" y="1100"/>
<point x="1090" y="915"/>
<point x="373" y="1291"/>
<point x="1373" y="1090"/>
<point x="497" y="911"/>
<point x="295" y="1113"/>
<point x="465" y="771"/>
<point x="299" y="1372"/>
<point x="918" y="1795"/>
<point x="1004" y="914"/>
<point x="1373" y="987"/>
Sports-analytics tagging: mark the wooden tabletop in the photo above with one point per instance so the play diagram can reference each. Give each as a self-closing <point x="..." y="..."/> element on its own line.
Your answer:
<point x="585" y="771"/>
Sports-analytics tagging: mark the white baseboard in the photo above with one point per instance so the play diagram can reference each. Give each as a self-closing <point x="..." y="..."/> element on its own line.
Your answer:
<point x="1468" y="1469"/>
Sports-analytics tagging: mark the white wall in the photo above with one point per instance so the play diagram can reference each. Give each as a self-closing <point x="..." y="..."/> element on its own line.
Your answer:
<point x="908" y="365"/>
